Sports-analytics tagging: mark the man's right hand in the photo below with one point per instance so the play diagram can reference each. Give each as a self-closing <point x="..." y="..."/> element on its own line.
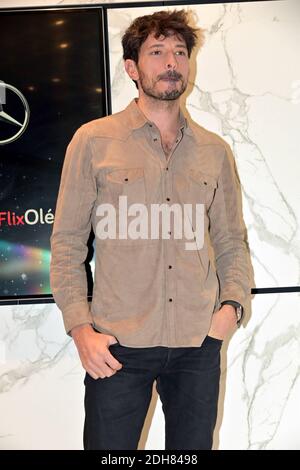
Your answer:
<point x="93" y="351"/>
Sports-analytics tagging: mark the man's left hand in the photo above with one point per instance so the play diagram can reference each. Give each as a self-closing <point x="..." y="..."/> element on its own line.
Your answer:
<point x="223" y="322"/>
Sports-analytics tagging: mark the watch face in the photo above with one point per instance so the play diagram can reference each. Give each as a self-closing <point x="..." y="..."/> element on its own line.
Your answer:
<point x="239" y="313"/>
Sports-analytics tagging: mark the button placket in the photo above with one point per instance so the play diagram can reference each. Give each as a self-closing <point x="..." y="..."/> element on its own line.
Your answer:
<point x="170" y="299"/>
<point x="178" y="138"/>
<point x="154" y="134"/>
<point x="168" y="244"/>
<point x="170" y="290"/>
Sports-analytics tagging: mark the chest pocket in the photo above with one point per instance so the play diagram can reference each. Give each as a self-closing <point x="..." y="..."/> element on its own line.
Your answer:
<point x="202" y="187"/>
<point x="129" y="182"/>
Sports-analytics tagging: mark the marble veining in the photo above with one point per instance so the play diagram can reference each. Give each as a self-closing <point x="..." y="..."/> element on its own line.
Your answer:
<point x="245" y="86"/>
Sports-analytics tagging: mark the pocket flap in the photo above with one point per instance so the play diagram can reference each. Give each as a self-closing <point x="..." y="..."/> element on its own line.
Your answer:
<point x="125" y="175"/>
<point x="203" y="179"/>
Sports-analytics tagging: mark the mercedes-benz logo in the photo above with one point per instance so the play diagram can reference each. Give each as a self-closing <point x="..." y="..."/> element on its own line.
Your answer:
<point x="8" y="118"/>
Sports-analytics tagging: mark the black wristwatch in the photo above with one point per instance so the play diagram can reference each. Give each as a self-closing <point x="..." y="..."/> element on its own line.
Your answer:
<point x="239" y="310"/>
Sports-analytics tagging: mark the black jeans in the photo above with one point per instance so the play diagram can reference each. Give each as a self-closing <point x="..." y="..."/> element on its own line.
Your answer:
<point x="187" y="381"/>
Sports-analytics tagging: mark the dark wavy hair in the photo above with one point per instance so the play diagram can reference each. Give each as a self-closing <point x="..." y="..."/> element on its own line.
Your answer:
<point x="164" y="23"/>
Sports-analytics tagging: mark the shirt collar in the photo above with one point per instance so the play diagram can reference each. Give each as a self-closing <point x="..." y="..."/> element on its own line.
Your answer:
<point x="137" y="119"/>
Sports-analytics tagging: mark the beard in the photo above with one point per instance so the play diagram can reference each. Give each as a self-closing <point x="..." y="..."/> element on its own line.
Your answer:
<point x="167" y="95"/>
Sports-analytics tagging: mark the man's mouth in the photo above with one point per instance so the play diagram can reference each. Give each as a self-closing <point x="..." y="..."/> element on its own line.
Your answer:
<point x="168" y="79"/>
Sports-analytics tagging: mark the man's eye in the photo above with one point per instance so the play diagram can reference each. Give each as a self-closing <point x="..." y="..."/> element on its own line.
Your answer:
<point x="181" y="52"/>
<point x="154" y="52"/>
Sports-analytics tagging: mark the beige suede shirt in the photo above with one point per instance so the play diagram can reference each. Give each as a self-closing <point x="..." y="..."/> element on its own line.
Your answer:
<point x="148" y="291"/>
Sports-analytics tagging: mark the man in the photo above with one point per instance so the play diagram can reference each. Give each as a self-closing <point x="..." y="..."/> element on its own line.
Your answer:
<point x="161" y="307"/>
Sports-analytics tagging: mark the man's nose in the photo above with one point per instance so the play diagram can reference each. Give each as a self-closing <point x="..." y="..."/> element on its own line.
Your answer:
<point x="171" y="62"/>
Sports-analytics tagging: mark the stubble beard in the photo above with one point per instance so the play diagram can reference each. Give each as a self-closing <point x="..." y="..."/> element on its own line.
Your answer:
<point x="167" y="95"/>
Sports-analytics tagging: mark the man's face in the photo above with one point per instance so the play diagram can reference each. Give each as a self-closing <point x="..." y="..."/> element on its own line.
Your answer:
<point x="163" y="67"/>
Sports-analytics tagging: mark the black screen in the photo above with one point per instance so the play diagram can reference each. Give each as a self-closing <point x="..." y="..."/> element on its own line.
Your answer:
<point x="54" y="62"/>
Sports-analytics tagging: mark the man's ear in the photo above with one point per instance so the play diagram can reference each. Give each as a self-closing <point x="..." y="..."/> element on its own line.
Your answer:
<point x="131" y="69"/>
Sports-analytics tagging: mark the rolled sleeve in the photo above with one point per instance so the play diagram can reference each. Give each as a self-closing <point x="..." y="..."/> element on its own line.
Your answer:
<point x="229" y="236"/>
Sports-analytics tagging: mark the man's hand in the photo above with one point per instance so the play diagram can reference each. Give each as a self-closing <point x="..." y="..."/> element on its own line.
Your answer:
<point x="93" y="351"/>
<point x="223" y="322"/>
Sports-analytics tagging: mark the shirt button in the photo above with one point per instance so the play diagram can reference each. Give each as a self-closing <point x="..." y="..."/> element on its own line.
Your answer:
<point x="155" y="139"/>
<point x="167" y="168"/>
<point x="168" y="199"/>
<point x="170" y="267"/>
<point x="169" y="233"/>
<point x="170" y="300"/>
